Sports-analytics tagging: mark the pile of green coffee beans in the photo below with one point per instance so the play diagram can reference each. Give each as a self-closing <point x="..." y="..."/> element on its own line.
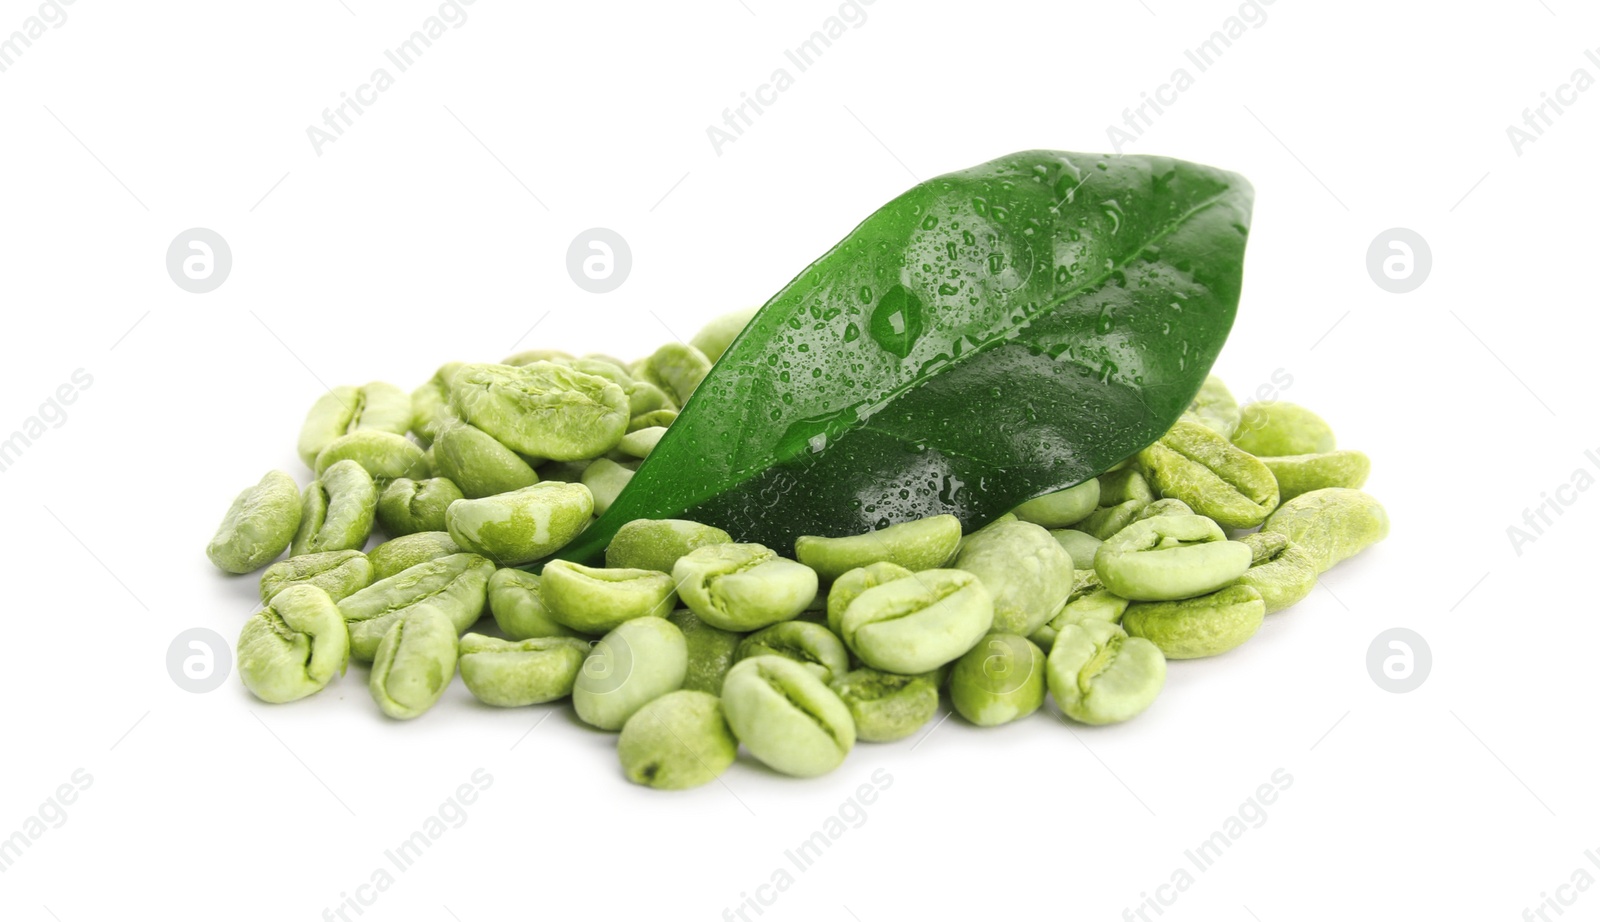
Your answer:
<point x="691" y="644"/>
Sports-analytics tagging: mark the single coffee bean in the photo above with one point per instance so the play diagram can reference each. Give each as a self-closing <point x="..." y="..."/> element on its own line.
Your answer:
<point x="1079" y="545"/>
<point x="515" y="673"/>
<point x="1300" y="474"/>
<point x="1216" y="479"/>
<point x="385" y="455"/>
<point x="337" y="511"/>
<point x="430" y="404"/>
<point x="919" y="622"/>
<point x="680" y="740"/>
<point x="712" y="651"/>
<point x="919" y="545"/>
<point x="887" y="706"/>
<point x="414" y="663"/>
<point x="639" y="443"/>
<point x="1275" y="428"/>
<point x="606" y="480"/>
<point x="455" y="586"/>
<point x="343" y="410"/>
<point x="1089" y="601"/>
<point x="258" y="526"/>
<point x="677" y="369"/>
<point x="1170" y="557"/>
<point x="478" y="465"/>
<point x="1098" y="674"/>
<point x="1107" y="521"/>
<point x="1063" y="507"/>
<point x="633" y="665"/>
<point x="644" y="399"/>
<point x="594" y="600"/>
<point x="845" y="589"/>
<point x="1282" y="571"/>
<point x="409" y="506"/>
<point x="294" y="646"/>
<point x="1121" y="486"/>
<point x="656" y="544"/>
<point x="1026" y="571"/>
<point x="743" y="587"/>
<point x="338" y="573"/>
<point x="403" y="553"/>
<point x="715" y="337"/>
<point x="999" y="680"/>
<point x="1163" y="507"/>
<point x="787" y="717"/>
<point x="1215" y="408"/>
<point x="518" y="607"/>
<point x="542" y="410"/>
<point x="1203" y="626"/>
<point x="523" y="525"/>
<point x="805" y="642"/>
<point x="1333" y="524"/>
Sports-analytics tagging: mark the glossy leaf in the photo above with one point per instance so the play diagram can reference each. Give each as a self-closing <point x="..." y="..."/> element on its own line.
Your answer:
<point x="987" y="337"/>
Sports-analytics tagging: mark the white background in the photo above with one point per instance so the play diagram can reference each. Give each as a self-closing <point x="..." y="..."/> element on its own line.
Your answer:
<point x="437" y="228"/>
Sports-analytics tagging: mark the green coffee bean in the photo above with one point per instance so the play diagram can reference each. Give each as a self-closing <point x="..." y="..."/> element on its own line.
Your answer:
<point x="644" y="399"/>
<point x="787" y="717"/>
<point x="595" y="600"/>
<point x="516" y="673"/>
<point x="430" y="404"/>
<point x="851" y="584"/>
<point x="805" y="642"/>
<point x="1089" y="601"/>
<point x="743" y="587"/>
<point x="1282" y="571"/>
<point x="338" y="573"/>
<point x="1063" y="507"/>
<point x="999" y="680"/>
<point x="1333" y="524"/>
<point x="294" y="646"/>
<point x="1163" y="507"/>
<point x="542" y="410"/>
<point x="414" y="663"/>
<point x="678" y="741"/>
<point x="677" y="369"/>
<point x="1080" y="546"/>
<point x="1170" y="557"/>
<point x="656" y="544"/>
<point x="1121" y="486"/>
<point x="652" y="419"/>
<point x="517" y="604"/>
<point x="477" y="464"/>
<point x="399" y="554"/>
<point x="1107" y="521"/>
<point x="712" y="651"/>
<point x="1100" y="675"/>
<point x="918" y="545"/>
<point x="918" y="622"/>
<point x="385" y="456"/>
<point x="343" y="410"/>
<point x="605" y="479"/>
<point x="337" y="511"/>
<point x="640" y="442"/>
<point x="886" y="706"/>
<point x="409" y="506"/>
<point x="258" y="526"/>
<point x="633" y="665"/>
<point x="523" y="525"/>
<point x="1204" y="626"/>
<point x="1275" y="428"/>
<point x="1215" y="408"/>
<point x="1026" y="572"/>
<point x="455" y="586"/>
<point x="1216" y="479"/>
<point x="715" y="337"/>
<point x="1299" y="474"/>
<point x="602" y="368"/>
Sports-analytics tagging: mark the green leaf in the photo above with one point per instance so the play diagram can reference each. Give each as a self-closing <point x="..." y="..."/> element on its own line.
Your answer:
<point x="987" y="337"/>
